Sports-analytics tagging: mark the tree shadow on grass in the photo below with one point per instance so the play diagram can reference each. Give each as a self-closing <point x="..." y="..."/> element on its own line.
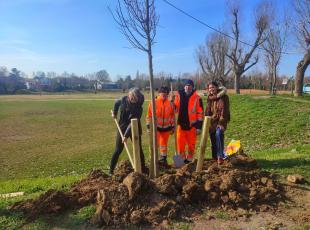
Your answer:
<point x="11" y="219"/>
<point x="283" y="163"/>
<point x="287" y="166"/>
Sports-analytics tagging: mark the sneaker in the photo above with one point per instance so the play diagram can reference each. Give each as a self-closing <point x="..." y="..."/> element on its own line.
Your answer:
<point x="220" y="161"/>
<point x="213" y="159"/>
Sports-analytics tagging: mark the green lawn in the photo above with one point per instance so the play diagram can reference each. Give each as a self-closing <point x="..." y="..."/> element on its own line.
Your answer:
<point x="52" y="142"/>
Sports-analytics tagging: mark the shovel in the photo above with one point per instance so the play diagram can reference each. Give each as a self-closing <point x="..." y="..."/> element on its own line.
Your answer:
<point x="177" y="158"/>
<point x="125" y="144"/>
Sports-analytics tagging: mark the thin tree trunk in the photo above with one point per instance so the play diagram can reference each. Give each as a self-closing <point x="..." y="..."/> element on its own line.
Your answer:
<point x="154" y="120"/>
<point x="274" y="89"/>
<point x="150" y="60"/>
<point x="237" y="82"/>
<point x="270" y="80"/>
<point x="300" y="73"/>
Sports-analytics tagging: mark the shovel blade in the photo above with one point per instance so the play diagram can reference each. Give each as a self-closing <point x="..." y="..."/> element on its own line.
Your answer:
<point x="178" y="161"/>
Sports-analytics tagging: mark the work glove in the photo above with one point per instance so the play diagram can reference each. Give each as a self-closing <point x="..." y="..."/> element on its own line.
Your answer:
<point x="198" y="131"/>
<point x="113" y="115"/>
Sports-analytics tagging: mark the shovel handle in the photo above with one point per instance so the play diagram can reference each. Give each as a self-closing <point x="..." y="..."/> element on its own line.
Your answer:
<point x="175" y="137"/>
<point x="175" y="124"/>
<point x="125" y="144"/>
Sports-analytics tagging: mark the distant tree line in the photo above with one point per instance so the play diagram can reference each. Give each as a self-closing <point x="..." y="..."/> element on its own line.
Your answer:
<point x="15" y="81"/>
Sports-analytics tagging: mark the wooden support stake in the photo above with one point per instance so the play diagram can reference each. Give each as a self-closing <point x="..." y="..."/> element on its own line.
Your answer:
<point x="136" y="145"/>
<point x="203" y="142"/>
<point x="152" y="171"/>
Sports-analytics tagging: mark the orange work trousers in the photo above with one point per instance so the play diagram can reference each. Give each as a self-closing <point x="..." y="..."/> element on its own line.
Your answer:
<point x="162" y="138"/>
<point x="186" y="137"/>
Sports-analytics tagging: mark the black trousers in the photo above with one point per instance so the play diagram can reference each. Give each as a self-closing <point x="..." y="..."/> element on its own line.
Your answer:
<point x="119" y="146"/>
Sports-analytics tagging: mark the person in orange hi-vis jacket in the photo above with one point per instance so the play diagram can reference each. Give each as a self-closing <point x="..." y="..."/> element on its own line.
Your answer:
<point x="190" y="118"/>
<point x="165" y="121"/>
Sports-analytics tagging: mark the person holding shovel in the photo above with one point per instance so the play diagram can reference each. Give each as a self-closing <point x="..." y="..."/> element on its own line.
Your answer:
<point x="190" y="117"/>
<point x="165" y="122"/>
<point x="218" y="109"/>
<point x="130" y="107"/>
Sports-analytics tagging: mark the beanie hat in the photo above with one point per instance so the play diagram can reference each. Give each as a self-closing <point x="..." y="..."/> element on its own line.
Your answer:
<point x="164" y="89"/>
<point x="189" y="82"/>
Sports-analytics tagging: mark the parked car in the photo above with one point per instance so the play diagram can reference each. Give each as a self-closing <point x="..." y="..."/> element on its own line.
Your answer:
<point x="306" y="88"/>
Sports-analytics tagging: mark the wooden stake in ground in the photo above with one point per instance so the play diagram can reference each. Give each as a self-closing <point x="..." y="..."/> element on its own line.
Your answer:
<point x="203" y="142"/>
<point x="136" y="145"/>
<point x="151" y="173"/>
<point x="125" y="144"/>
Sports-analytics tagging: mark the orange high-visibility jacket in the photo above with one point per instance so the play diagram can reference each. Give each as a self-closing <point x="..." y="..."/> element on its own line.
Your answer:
<point x="194" y="110"/>
<point x="164" y="114"/>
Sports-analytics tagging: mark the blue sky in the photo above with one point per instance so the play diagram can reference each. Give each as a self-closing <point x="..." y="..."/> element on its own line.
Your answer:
<point x="81" y="37"/>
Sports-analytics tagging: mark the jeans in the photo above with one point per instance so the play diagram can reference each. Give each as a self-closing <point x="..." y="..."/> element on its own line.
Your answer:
<point x="119" y="146"/>
<point x="217" y="143"/>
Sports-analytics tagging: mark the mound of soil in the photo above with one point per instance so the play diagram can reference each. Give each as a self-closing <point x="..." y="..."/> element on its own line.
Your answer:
<point x="80" y="194"/>
<point x="132" y="198"/>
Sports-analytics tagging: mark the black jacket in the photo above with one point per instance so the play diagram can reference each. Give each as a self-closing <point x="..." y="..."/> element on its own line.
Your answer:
<point x="183" y="119"/>
<point x="128" y="112"/>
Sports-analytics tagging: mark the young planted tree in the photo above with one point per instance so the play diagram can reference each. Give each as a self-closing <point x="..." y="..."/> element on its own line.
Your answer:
<point x="240" y="57"/>
<point x="212" y="57"/>
<point x="137" y="20"/>
<point x="302" y="31"/>
<point x="273" y="48"/>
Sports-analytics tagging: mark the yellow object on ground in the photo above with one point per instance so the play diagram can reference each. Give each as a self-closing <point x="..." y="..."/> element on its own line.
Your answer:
<point x="233" y="147"/>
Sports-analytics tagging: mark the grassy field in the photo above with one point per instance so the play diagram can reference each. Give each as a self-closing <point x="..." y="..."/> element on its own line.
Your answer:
<point x="50" y="141"/>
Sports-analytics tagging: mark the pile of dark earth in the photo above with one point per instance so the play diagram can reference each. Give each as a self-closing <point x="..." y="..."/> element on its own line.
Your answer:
<point x="132" y="198"/>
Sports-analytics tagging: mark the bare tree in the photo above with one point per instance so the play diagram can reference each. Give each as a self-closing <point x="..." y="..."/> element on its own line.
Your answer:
<point x="212" y="57"/>
<point x="273" y="48"/>
<point x="239" y="58"/>
<point x="137" y="20"/>
<point x="100" y="78"/>
<point x="302" y="27"/>
<point x="103" y="76"/>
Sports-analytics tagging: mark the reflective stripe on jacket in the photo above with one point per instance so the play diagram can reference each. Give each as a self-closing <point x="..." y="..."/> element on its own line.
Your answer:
<point x="164" y="114"/>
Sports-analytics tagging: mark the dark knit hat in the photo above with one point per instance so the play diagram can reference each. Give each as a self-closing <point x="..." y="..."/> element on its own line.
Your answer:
<point x="164" y="89"/>
<point x="189" y="82"/>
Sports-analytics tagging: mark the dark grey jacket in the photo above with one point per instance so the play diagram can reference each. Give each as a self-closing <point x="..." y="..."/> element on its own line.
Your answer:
<point x="128" y="112"/>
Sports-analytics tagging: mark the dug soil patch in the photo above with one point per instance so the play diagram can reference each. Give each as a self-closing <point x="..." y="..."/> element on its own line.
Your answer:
<point x="132" y="198"/>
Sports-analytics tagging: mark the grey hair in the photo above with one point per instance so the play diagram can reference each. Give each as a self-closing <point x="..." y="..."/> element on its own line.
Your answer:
<point x="136" y="93"/>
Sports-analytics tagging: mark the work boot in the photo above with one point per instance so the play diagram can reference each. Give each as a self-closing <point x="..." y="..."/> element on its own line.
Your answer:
<point x="186" y="161"/>
<point x="145" y="170"/>
<point x="163" y="161"/>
